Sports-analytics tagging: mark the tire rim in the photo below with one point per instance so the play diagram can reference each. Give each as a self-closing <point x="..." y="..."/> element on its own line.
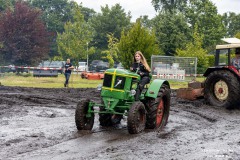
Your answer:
<point x="160" y="110"/>
<point x="221" y="90"/>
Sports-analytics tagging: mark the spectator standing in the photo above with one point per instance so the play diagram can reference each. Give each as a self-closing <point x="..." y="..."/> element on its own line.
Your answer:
<point x="68" y="67"/>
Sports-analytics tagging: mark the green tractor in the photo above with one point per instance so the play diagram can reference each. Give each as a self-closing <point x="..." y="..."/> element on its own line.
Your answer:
<point x="117" y="99"/>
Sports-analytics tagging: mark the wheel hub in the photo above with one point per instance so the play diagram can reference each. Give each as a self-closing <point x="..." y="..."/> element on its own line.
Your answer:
<point x="221" y="90"/>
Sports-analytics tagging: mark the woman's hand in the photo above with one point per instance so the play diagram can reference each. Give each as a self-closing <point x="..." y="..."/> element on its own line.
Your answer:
<point x="141" y="73"/>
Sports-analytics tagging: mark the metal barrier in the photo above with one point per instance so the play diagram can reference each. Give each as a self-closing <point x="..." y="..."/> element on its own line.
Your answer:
<point x="175" y="68"/>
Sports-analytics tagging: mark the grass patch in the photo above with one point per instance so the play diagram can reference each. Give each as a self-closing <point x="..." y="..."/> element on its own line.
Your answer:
<point x="11" y="79"/>
<point x="27" y="80"/>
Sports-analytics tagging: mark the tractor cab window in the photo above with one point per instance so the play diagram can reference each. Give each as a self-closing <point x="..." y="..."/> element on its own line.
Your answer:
<point x="223" y="57"/>
<point x="107" y="80"/>
<point x="119" y="82"/>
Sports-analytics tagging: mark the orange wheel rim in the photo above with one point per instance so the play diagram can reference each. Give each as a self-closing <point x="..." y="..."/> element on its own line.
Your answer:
<point x="160" y="110"/>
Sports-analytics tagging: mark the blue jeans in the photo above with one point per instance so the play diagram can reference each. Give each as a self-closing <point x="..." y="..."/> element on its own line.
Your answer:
<point x="67" y="76"/>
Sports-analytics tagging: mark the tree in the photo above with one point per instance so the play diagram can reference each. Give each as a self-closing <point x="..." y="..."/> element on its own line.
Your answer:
<point x="73" y="42"/>
<point x="232" y="23"/>
<point x="138" y="38"/>
<point x="111" y="53"/>
<point x="169" y="5"/>
<point x="172" y="32"/>
<point x="113" y="21"/>
<point x="6" y="4"/>
<point x="55" y="14"/>
<point x="87" y="13"/>
<point x="205" y="15"/>
<point x="23" y="36"/>
<point x="194" y="49"/>
<point x="238" y="35"/>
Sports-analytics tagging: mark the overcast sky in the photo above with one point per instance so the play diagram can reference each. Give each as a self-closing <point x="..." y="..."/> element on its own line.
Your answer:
<point x="144" y="7"/>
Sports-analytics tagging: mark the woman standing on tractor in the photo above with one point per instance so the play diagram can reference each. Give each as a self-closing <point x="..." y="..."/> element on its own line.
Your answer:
<point x="141" y="67"/>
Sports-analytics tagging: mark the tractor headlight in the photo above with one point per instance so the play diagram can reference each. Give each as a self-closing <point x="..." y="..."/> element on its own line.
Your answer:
<point x="132" y="92"/>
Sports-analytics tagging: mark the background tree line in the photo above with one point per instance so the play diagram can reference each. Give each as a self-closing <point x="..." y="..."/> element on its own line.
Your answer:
<point x="36" y="30"/>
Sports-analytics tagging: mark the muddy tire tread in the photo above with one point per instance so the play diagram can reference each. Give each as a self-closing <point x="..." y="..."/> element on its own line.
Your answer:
<point x="233" y="88"/>
<point x="104" y="119"/>
<point x="164" y="93"/>
<point x="132" y="123"/>
<point x="80" y="113"/>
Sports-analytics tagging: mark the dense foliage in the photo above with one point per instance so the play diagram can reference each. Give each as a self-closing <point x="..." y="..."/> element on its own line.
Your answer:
<point x="23" y="36"/>
<point x="77" y="31"/>
<point x="139" y="38"/>
<point x="72" y="43"/>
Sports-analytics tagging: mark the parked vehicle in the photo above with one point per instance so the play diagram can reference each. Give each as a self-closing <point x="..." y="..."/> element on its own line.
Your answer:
<point x="118" y="65"/>
<point x="57" y="64"/>
<point x="94" y="64"/>
<point x="82" y="66"/>
<point x="49" y="68"/>
<point x="102" y="66"/>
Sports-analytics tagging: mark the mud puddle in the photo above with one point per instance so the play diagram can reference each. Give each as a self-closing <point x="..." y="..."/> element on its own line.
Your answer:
<point x="39" y="124"/>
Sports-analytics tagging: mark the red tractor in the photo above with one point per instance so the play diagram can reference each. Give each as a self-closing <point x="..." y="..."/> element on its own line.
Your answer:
<point x="222" y="84"/>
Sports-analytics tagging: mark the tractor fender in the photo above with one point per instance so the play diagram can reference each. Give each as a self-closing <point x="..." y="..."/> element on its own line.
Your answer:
<point x="154" y="87"/>
<point x="211" y="69"/>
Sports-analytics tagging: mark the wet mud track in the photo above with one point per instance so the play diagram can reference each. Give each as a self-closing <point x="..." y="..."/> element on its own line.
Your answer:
<point x="37" y="123"/>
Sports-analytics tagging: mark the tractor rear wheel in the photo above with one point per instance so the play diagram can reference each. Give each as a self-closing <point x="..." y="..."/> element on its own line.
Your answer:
<point x="222" y="89"/>
<point x="136" y="118"/>
<point x="82" y="121"/>
<point x="158" y="109"/>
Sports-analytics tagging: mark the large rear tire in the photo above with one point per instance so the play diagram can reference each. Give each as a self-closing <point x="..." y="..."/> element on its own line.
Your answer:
<point x="136" y="118"/>
<point x="158" y="109"/>
<point x="222" y="89"/>
<point x="82" y="121"/>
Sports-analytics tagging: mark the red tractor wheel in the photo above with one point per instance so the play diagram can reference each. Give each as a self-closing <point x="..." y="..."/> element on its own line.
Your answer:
<point x="222" y="89"/>
<point x="82" y="119"/>
<point x="158" y="109"/>
<point x="136" y="118"/>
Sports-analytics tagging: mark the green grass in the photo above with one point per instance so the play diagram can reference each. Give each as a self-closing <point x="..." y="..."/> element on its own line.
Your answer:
<point x="27" y="80"/>
<point x="176" y="84"/>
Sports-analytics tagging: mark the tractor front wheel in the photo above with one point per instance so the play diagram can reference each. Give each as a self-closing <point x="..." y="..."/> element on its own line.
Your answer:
<point x="158" y="109"/>
<point x="136" y="118"/>
<point x="84" y="120"/>
<point x="105" y="118"/>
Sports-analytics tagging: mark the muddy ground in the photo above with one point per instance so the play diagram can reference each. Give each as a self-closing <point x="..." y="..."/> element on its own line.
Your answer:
<point x="39" y="124"/>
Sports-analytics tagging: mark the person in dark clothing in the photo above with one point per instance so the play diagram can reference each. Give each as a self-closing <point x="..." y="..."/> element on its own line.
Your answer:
<point x="67" y="71"/>
<point x="141" y="67"/>
<point x="236" y="60"/>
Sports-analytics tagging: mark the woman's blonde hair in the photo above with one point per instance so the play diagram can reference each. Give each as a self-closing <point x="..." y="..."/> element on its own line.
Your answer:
<point x="143" y="60"/>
